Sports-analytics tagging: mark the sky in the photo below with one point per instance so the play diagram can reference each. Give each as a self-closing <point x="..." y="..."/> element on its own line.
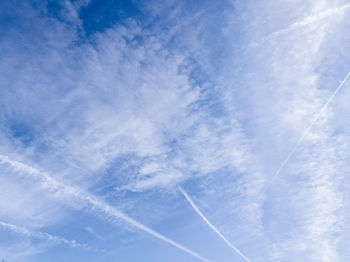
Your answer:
<point x="151" y="131"/>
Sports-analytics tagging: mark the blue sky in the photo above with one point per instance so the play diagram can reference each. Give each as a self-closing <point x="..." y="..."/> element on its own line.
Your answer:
<point x="174" y="130"/>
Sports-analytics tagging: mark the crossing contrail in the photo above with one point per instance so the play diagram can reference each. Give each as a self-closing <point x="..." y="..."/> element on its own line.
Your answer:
<point x="108" y="212"/>
<point x="307" y="130"/>
<point x="211" y="225"/>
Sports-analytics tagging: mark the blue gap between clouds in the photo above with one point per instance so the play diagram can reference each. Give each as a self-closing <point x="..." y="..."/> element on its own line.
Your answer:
<point x="101" y="15"/>
<point x="22" y="132"/>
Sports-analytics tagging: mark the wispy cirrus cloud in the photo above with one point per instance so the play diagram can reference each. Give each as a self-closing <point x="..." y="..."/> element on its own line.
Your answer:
<point x="295" y="96"/>
<point x="180" y="97"/>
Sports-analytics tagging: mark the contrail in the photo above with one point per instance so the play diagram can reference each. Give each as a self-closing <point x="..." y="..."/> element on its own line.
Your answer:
<point x="311" y="19"/>
<point x="92" y="232"/>
<point x="94" y="203"/>
<point x="210" y="224"/>
<point x="40" y="235"/>
<point x="310" y="126"/>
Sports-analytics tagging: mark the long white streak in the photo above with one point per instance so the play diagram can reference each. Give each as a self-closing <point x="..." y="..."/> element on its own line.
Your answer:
<point x="112" y="212"/>
<point x="319" y="16"/>
<point x="312" y="19"/>
<point x="94" y="203"/>
<point x="307" y="130"/>
<point x="40" y="235"/>
<point x="210" y="224"/>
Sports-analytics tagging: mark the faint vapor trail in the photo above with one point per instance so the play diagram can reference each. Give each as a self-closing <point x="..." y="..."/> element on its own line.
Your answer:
<point x="313" y="18"/>
<point x="94" y="203"/>
<point x="210" y="224"/>
<point x="309" y="20"/>
<point x="40" y="235"/>
<point x="310" y="126"/>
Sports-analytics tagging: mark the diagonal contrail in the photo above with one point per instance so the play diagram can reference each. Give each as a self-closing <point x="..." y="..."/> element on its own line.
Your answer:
<point x="40" y="235"/>
<point x="108" y="212"/>
<point x="312" y="19"/>
<point x="309" y="20"/>
<point x="211" y="225"/>
<point x="310" y="126"/>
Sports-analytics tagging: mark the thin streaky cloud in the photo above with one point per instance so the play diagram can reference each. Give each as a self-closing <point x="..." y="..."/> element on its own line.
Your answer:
<point x="311" y="19"/>
<point x="92" y="232"/>
<point x="52" y="184"/>
<point x="316" y="17"/>
<point x="307" y="130"/>
<point x="188" y="198"/>
<point x="40" y="235"/>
